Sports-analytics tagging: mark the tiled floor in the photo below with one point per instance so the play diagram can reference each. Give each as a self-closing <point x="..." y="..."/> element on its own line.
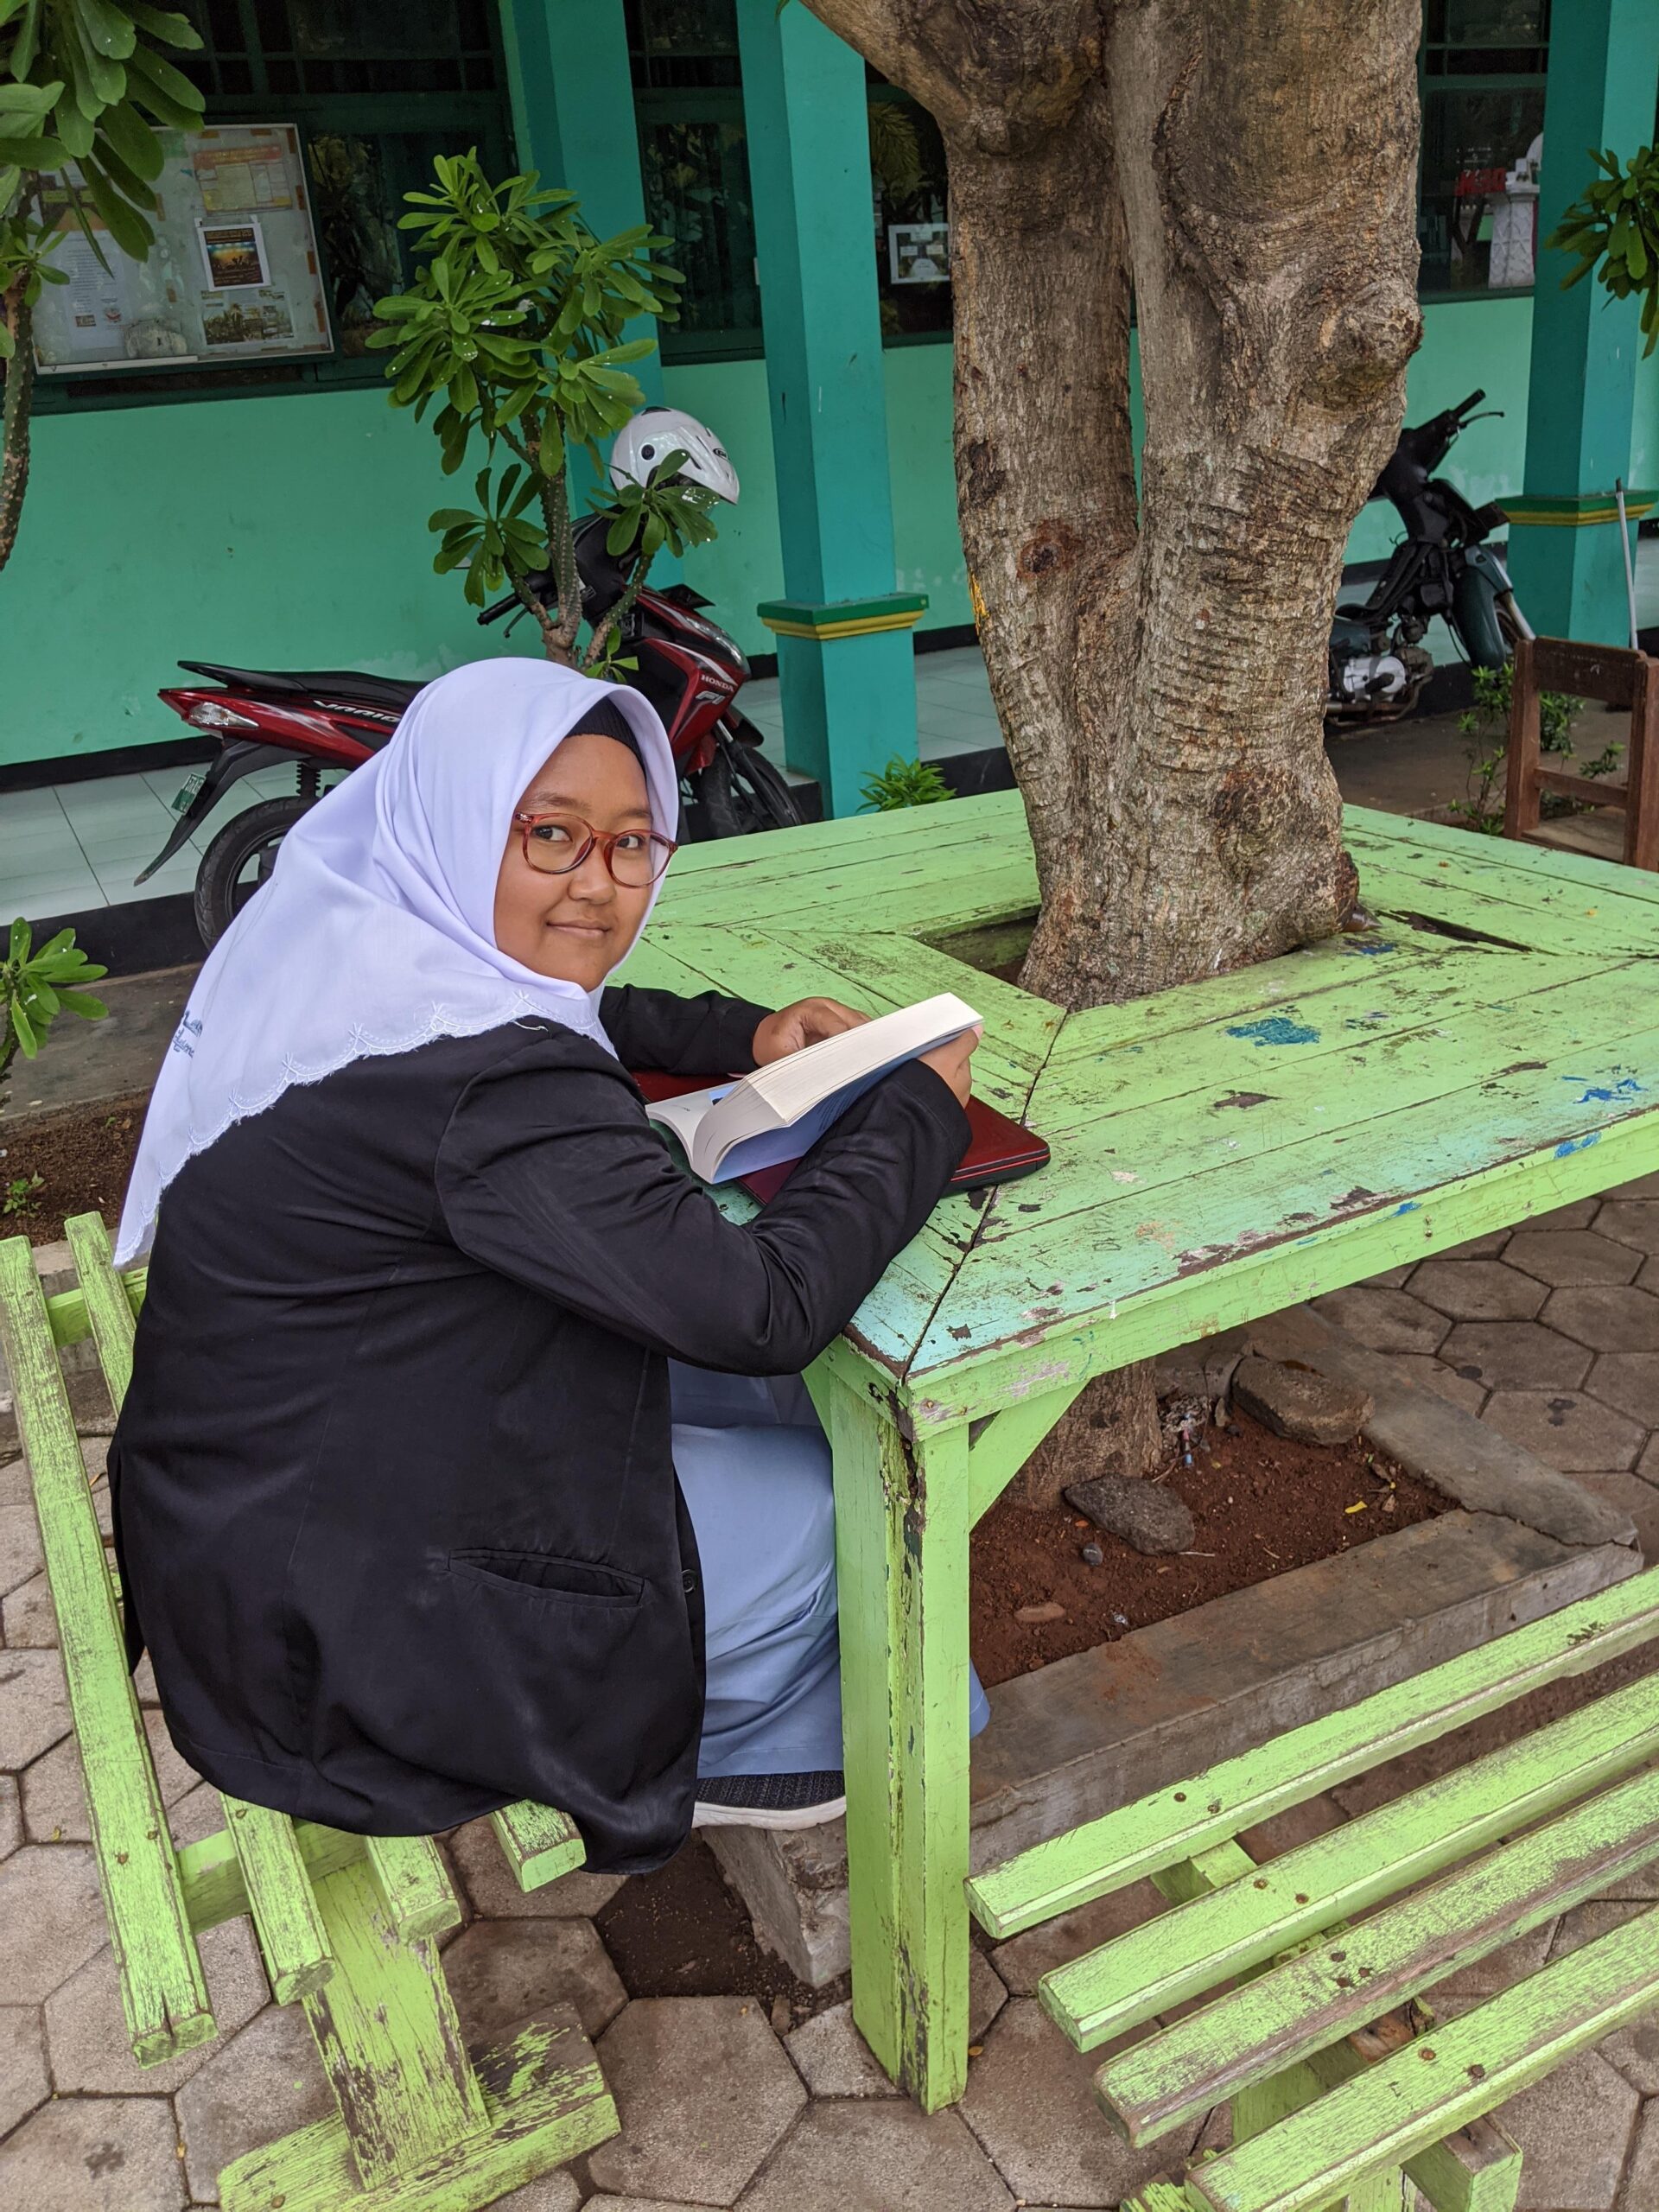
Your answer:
<point x="71" y="847"/>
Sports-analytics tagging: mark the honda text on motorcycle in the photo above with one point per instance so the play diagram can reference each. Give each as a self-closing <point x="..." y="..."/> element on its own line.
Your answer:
<point x="329" y="720"/>
<point x="1443" y="565"/>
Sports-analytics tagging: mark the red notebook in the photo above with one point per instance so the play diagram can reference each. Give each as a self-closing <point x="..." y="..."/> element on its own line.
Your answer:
<point x="999" y="1150"/>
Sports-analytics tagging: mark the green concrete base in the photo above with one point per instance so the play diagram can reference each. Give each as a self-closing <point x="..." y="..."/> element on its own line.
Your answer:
<point x="850" y="705"/>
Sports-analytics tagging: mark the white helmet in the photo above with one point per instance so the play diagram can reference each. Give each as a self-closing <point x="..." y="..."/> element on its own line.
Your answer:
<point x="643" y="444"/>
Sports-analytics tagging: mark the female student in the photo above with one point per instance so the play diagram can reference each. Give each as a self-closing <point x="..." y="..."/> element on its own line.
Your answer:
<point x="433" y="1319"/>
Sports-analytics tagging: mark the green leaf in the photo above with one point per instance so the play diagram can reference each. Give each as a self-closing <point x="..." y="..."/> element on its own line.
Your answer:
<point x="81" y="1002"/>
<point x="132" y="138"/>
<point x="21" y="936"/>
<point x="26" y="1034"/>
<point x="172" y="29"/>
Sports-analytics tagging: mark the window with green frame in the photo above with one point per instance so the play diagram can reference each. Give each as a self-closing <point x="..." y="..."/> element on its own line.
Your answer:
<point x="1482" y="67"/>
<point x="378" y="88"/>
<point x="693" y="161"/>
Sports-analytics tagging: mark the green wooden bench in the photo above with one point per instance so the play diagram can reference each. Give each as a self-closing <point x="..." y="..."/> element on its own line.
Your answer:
<point x="1485" y="1053"/>
<point x="346" y="1924"/>
<point x="1343" y="2089"/>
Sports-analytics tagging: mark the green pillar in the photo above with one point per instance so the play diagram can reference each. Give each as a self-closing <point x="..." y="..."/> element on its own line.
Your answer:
<point x="844" y="655"/>
<point x="1565" y="553"/>
<point x="572" y="93"/>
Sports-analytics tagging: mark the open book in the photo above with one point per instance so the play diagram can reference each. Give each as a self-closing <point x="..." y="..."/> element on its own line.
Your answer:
<point x="781" y="1111"/>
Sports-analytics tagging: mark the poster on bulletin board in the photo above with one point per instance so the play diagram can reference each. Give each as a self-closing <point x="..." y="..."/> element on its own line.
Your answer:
<point x="233" y="275"/>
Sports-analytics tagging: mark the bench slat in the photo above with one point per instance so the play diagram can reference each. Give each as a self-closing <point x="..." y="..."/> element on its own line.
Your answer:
<point x="1160" y="1831"/>
<point x="285" y="1917"/>
<point x="107" y="1309"/>
<point x="163" y="1990"/>
<point x="211" y="1873"/>
<point x="538" y="1843"/>
<point x="1297" y="2007"/>
<point x="1457" y="2074"/>
<point x="1183" y="1954"/>
<point x="414" y="1884"/>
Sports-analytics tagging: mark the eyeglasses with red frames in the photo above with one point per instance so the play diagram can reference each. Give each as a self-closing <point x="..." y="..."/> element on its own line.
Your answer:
<point x="557" y="844"/>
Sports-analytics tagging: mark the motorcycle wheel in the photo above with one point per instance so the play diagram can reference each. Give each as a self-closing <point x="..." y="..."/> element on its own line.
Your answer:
<point x="740" y="792"/>
<point x="239" y="860"/>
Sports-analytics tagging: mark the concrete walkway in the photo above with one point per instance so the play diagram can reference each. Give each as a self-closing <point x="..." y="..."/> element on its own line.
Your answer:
<point x="1550" y="1333"/>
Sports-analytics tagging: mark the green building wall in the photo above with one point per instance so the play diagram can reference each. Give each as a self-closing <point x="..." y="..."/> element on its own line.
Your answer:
<point x="292" y="531"/>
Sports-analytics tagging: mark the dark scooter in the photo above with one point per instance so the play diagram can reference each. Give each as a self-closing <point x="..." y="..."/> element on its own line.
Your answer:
<point x="1378" y="666"/>
<point x="320" y="721"/>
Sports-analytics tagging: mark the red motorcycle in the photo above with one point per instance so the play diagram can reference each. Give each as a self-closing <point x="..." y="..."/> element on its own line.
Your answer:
<point x="324" y="719"/>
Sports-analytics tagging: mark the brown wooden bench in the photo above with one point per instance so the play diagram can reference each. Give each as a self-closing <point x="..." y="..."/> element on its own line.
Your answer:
<point x="1616" y="676"/>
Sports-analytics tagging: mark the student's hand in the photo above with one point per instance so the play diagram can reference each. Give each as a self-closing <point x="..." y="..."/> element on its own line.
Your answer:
<point x="954" y="1062"/>
<point x="807" y="1022"/>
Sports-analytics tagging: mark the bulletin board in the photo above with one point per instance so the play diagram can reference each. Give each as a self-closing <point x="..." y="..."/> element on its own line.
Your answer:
<point x="233" y="274"/>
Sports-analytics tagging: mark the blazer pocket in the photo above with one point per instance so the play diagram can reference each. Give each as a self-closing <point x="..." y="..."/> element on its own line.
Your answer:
<point x="539" y="1575"/>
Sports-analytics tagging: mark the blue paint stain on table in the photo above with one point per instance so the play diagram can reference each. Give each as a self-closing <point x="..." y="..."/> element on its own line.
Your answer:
<point x="1275" y="1029"/>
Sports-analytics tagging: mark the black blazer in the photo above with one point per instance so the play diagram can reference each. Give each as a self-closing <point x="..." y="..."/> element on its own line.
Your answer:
<point x="395" y="1510"/>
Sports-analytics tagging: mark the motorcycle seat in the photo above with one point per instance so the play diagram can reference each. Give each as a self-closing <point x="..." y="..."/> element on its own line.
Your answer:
<point x="343" y="684"/>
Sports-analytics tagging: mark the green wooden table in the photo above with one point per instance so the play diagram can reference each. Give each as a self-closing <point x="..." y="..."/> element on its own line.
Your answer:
<point x="1488" y="1050"/>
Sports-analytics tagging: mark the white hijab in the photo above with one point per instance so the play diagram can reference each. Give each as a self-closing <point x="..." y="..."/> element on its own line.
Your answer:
<point x="377" y="929"/>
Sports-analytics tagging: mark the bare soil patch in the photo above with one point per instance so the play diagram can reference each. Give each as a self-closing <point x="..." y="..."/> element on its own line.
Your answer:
<point x="83" y="1156"/>
<point x="1260" y="1505"/>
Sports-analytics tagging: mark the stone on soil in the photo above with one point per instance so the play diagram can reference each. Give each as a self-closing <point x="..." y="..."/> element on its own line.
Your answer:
<point x="1148" y="1516"/>
<point x="1296" y="1402"/>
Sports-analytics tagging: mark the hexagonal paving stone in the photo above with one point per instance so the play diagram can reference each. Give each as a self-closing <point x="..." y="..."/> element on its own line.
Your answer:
<point x="1579" y="1215"/>
<point x="1477" y="1290"/>
<point x="33" y="1705"/>
<point x="1571" y="1257"/>
<point x="1641" y="2189"/>
<point x="1634" y="2052"/>
<point x="1516" y="1355"/>
<point x="1608" y="1317"/>
<point x="1024" y="1959"/>
<point x="1631" y="1221"/>
<point x="22" y="2065"/>
<point x="51" y="1918"/>
<point x="54" y="1797"/>
<point x="20" y="1545"/>
<point x="1629" y="1494"/>
<point x="1478" y="1248"/>
<point x="496" y="1896"/>
<point x="879" y="2157"/>
<point x="1387" y="1320"/>
<point x="835" y="2061"/>
<point x="26" y="1615"/>
<point x="1567" y="1432"/>
<point x="263" y="2083"/>
<point x="1030" y="2101"/>
<point x="1574" y="2129"/>
<point x="94" y="2154"/>
<point x="1628" y="1382"/>
<point x="704" y="2092"/>
<point x="501" y="1971"/>
<point x="86" y="2030"/>
<point x="1430" y="1373"/>
<point x="554" y="2192"/>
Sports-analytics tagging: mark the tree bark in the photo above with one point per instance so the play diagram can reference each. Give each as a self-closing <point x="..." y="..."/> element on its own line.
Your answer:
<point x="1160" y="665"/>
<point x="14" y="435"/>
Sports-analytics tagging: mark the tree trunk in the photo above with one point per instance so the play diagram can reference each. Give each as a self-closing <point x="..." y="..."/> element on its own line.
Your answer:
<point x="14" y="438"/>
<point x="1160" y="670"/>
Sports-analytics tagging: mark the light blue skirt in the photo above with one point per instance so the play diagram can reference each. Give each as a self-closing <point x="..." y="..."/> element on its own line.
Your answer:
<point x="754" y="1467"/>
